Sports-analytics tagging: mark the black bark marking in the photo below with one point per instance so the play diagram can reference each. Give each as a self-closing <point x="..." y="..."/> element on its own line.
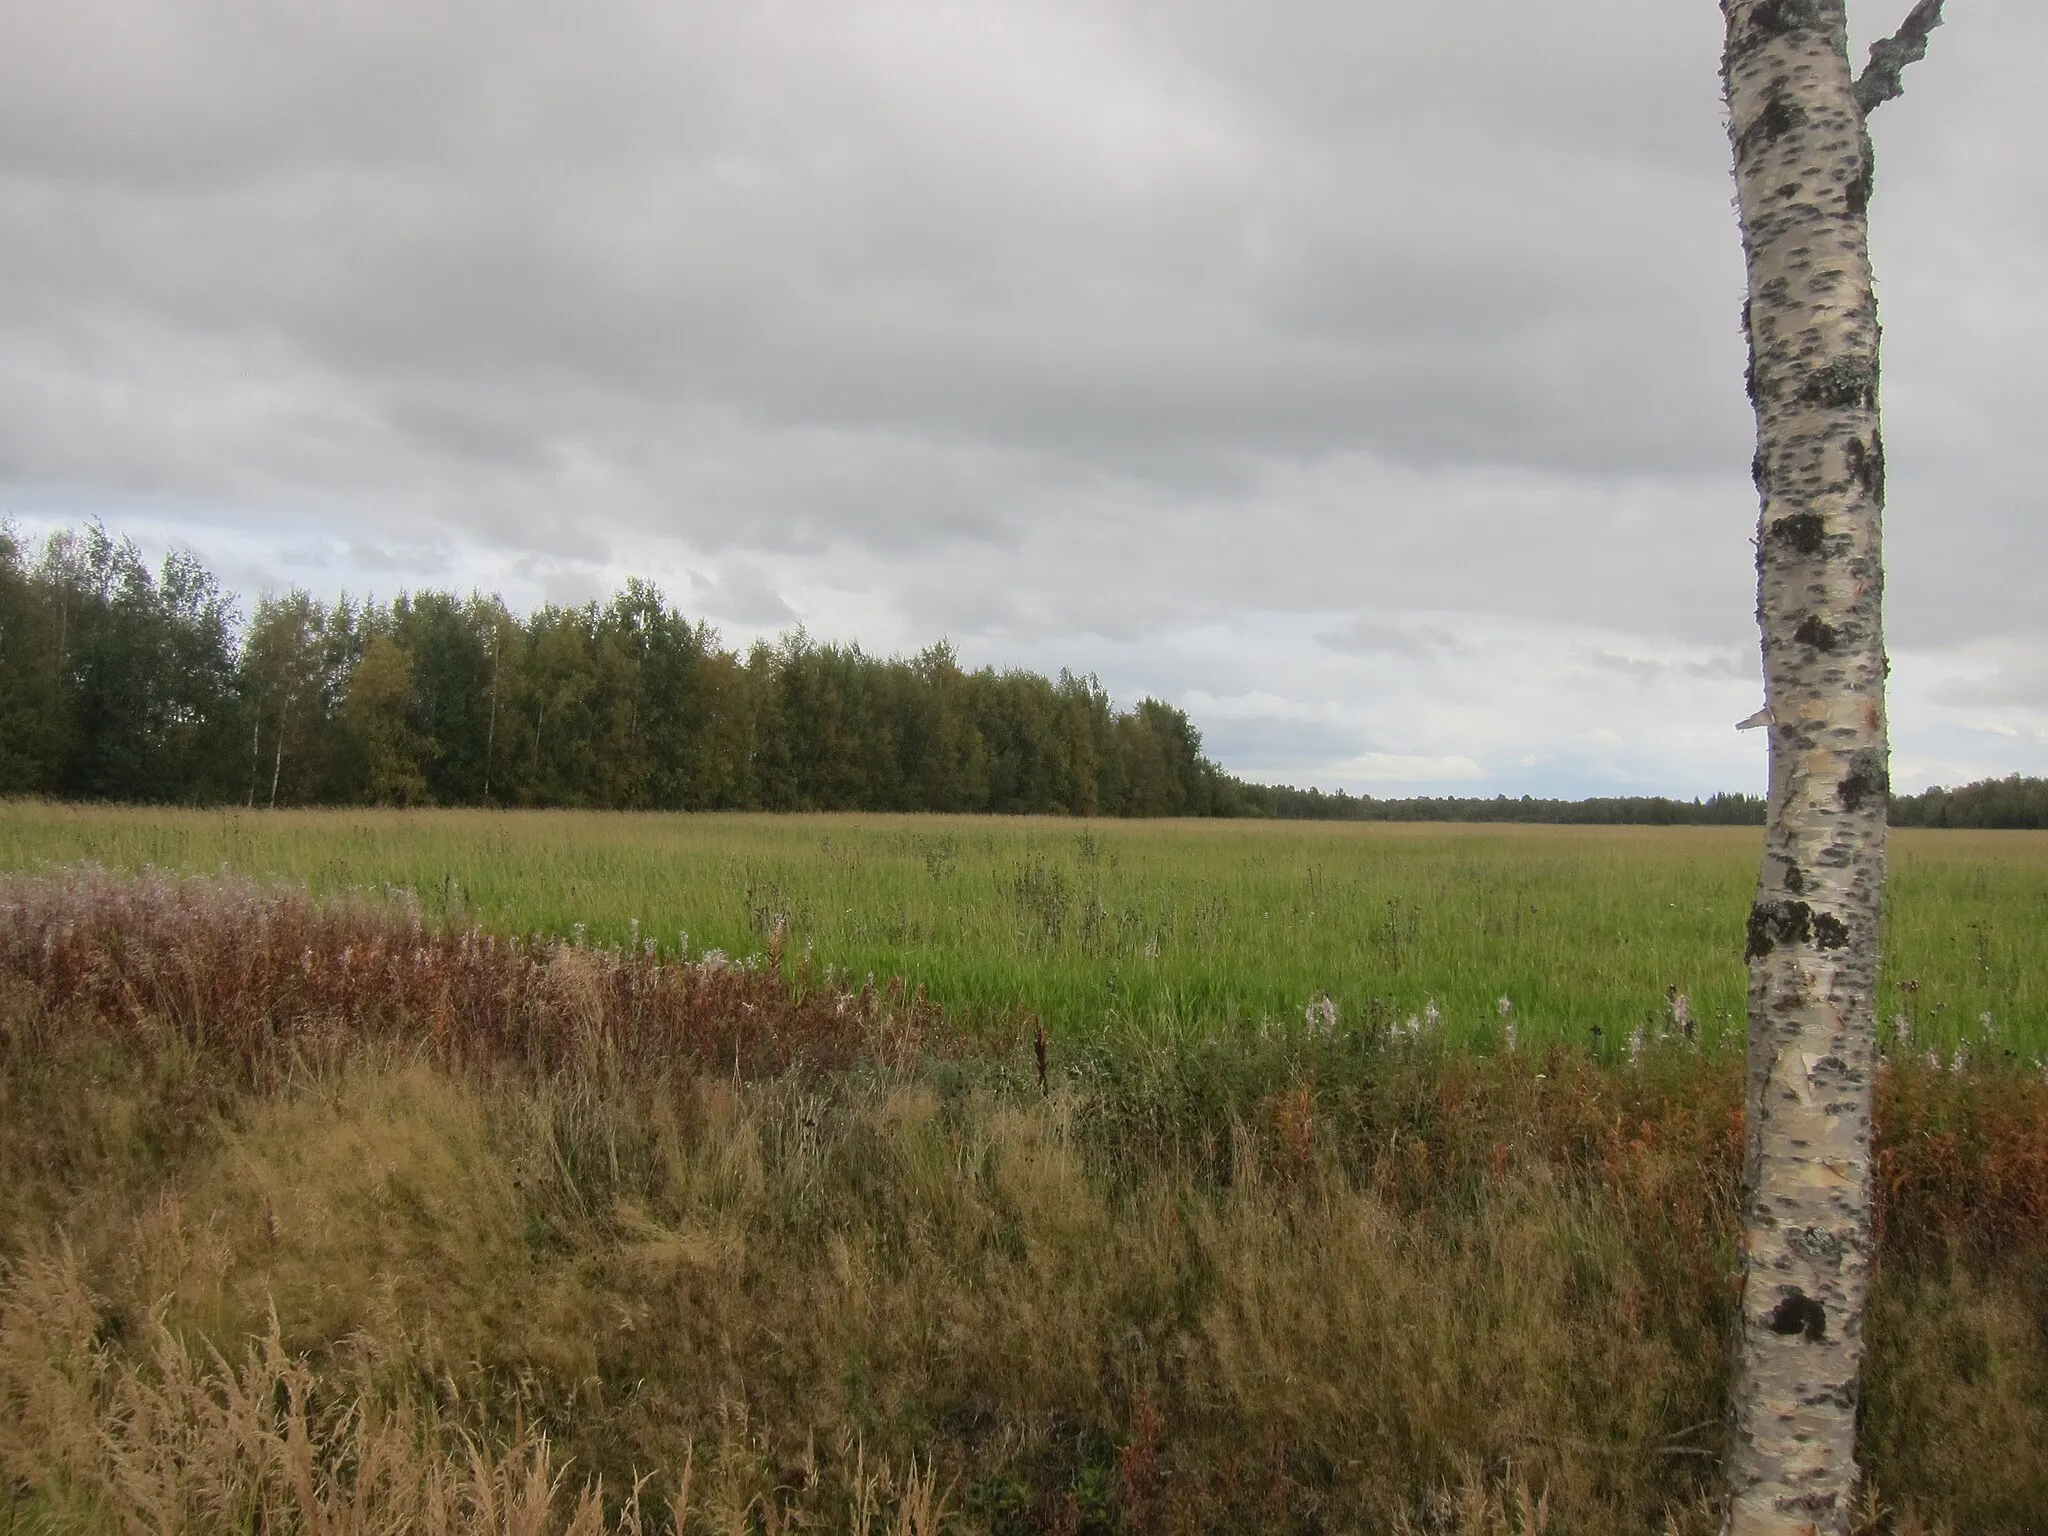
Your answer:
<point x="1805" y="532"/>
<point x="1774" y="924"/>
<point x="1773" y="18"/>
<point x="1815" y="631"/>
<point x="1756" y="470"/>
<point x="1807" y="1503"/>
<point x="1843" y="383"/>
<point x="1829" y="931"/>
<point x="1795" y="878"/>
<point x="1781" y="114"/>
<point x="1866" y="465"/>
<point x="1797" y="1312"/>
<point x="1750" y="383"/>
<point x="1818" y="1243"/>
<point x="1868" y="775"/>
<point x="1862" y="182"/>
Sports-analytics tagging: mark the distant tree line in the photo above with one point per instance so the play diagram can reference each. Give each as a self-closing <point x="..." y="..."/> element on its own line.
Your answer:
<point x="2007" y="802"/>
<point x="119" y="682"/>
<point x="122" y="682"/>
<point x="1637" y="810"/>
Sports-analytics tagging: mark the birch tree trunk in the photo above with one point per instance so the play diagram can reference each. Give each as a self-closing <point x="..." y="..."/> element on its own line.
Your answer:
<point x="1803" y="170"/>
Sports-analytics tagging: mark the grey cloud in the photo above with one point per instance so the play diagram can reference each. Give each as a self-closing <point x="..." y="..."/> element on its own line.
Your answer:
<point x="1368" y="636"/>
<point x="1061" y="328"/>
<point x="2019" y="677"/>
<point x="742" y="594"/>
<point x="878" y="266"/>
<point x="408" y="559"/>
<point x="1656" y="670"/>
<point x="1281" y="746"/>
<point x="569" y="584"/>
<point x="312" y="555"/>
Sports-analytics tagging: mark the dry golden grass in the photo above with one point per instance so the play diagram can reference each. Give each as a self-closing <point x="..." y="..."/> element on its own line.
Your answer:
<point x="166" y="1436"/>
<point x="346" y="1259"/>
<point x="810" y="1289"/>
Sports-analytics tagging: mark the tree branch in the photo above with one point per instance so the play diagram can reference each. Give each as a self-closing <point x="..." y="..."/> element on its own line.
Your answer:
<point x="1883" y="78"/>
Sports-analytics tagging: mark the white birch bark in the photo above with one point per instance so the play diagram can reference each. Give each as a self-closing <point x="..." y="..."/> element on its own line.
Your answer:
<point x="1803" y="174"/>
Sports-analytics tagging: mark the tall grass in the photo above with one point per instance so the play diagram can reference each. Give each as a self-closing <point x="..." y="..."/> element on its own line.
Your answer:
<point x="329" y="1218"/>
<point x="1197" y="925"/>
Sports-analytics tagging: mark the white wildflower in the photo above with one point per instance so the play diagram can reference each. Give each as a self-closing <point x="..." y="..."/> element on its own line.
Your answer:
<point x="1681" y="1013"/>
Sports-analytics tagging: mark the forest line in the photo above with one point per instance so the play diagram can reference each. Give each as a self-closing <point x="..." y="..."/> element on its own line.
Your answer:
<point x="120" y="682"/>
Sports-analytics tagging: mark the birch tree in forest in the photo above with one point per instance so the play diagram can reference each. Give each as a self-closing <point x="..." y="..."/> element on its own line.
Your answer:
<point x="1803" y="171"/>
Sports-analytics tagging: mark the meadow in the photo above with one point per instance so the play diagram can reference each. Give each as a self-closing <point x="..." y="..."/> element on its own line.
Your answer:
<point x="582" y="1172"/>
<point x="316" y="1216"/>
<point x="1588" y="933"/>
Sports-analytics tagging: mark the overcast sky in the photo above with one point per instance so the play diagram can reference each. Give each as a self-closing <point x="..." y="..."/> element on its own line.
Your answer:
<point x="1365" y="379"/>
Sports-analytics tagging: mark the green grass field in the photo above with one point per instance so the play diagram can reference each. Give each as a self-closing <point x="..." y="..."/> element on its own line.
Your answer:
<point x="1203" y="925"/>
<point x="317" y="1218"/>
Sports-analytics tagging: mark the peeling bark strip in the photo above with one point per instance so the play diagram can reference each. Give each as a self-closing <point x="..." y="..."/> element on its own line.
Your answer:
<point x="1803" y="176"/>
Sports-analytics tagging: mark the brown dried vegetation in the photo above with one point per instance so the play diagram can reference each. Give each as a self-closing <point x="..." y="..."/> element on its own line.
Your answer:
<point x="316" y="1218"/>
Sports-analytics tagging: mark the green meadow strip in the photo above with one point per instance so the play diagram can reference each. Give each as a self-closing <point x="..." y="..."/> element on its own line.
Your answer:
<point x="1578" y="934"/>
